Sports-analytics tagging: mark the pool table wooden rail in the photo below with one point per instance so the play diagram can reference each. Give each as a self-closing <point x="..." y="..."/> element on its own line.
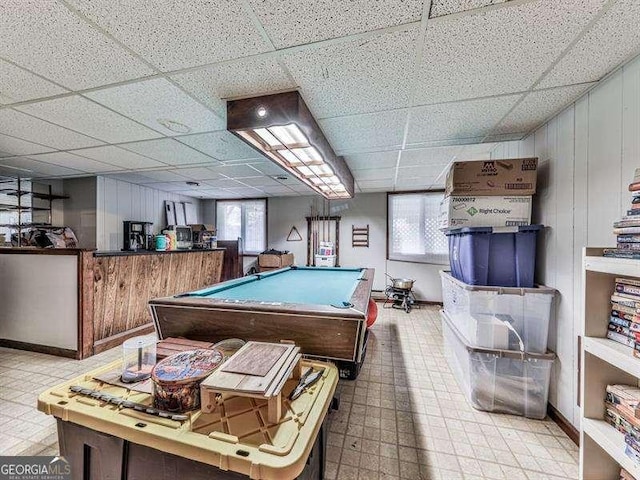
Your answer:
<point x="319" y="330"/>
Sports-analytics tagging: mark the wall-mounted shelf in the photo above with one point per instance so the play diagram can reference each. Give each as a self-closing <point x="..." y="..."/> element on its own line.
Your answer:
<point x="360" y="236"/>
<point x="604" y="362"/>
<point x="14" y="188"/>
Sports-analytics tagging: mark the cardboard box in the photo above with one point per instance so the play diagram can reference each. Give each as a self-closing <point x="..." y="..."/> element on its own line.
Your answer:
<point x="458" y="211"/>
<point x="275" y="261"/>
<point x="493" y="177"/>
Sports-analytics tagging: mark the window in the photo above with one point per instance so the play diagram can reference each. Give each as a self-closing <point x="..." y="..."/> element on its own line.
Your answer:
<point x="412" y="230"/>
<point x="246" y="219"/>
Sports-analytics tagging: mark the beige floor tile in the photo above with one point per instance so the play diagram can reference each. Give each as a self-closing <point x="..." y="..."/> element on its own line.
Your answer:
<point x="404" y="417"/>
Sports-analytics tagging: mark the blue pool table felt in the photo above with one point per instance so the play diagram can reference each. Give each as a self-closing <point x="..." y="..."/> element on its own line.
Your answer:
<point x="304" y="285"/>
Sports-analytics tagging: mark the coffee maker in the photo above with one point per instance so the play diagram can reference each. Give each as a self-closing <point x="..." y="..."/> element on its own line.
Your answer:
<point x="137" y="235"/>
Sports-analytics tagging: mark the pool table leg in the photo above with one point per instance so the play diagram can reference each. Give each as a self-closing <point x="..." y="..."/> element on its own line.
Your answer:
<point x="274" y="409"/>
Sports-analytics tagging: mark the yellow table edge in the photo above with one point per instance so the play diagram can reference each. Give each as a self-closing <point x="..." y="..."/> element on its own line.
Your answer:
<point x="159" y="434"/>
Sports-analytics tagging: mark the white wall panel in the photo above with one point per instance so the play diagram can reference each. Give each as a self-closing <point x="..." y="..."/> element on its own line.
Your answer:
<point x="118" y="201"/>
<point x="366" y="208"/>
<point x="587" y="156"/>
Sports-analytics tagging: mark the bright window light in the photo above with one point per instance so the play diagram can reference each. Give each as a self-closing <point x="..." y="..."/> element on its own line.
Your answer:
<point x="323" y="169"/>
<point x="265" y="135"/>
<point x="289" y="134"/>
<point x="307" y="154"/>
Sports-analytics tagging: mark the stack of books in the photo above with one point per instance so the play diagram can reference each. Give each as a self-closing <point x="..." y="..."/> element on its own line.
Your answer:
<point x="628" y="229"/>
<point x="624" y="323"/>
<point x="622" y="411"/>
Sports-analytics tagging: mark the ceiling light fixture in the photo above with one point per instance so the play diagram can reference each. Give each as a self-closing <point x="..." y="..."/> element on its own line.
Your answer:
<point x="282" y="128"/>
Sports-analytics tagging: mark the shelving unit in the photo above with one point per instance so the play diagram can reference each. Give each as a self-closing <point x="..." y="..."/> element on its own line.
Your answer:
<point x="14" y="188"/>
<point x="603" y="362"/>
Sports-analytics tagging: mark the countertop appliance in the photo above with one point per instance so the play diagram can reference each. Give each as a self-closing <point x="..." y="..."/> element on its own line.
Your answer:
<point x="137" y="235"/>
<point x="184" y="238"/>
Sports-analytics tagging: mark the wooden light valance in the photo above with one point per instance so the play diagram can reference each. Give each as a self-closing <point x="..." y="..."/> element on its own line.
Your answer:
<point x="281" y="127"/>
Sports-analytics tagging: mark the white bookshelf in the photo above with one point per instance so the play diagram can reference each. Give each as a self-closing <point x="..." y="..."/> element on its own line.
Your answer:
<point x="603" y="362"/>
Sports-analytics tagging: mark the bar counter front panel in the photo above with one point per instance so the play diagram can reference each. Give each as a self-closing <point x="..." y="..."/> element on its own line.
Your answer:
<point x="101" y="298"/>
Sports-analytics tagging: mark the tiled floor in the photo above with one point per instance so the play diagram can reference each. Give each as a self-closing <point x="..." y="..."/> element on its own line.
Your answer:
<point x="404" y="417"/>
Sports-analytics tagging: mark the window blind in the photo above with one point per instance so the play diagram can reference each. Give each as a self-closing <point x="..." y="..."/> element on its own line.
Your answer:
<point x="246" y="219"/>
<point x="413" y="233"/>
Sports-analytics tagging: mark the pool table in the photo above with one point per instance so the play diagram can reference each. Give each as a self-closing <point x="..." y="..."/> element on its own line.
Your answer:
<point x="323" y="310"/>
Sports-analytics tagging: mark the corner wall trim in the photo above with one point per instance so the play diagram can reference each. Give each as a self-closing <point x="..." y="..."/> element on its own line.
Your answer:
<point x="564" y="424"/>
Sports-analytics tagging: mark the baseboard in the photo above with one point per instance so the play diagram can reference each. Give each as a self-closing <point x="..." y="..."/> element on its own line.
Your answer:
<point x="564" y="424"/>
<point x="34" y="347"/>
<point x="117" y="339"/>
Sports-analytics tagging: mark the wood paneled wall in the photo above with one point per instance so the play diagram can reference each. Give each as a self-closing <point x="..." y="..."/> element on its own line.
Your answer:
<point x="123" y="285"/>
<point x="587" y="154"/>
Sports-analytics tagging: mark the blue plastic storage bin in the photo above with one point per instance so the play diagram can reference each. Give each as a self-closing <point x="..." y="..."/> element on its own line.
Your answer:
<point x="498" y="257"/>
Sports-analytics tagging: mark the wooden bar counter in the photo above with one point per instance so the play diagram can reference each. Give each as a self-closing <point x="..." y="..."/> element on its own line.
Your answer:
<point x="76" y="302"/>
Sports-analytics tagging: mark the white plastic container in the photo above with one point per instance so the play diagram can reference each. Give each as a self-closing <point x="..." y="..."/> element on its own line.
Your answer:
<point x="325" y="260"/>
<point x="503" y="381"/>
<point x="475" y="309"/>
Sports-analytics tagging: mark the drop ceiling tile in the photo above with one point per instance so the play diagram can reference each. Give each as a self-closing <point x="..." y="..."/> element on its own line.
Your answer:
<point x="15" y="146"/>
<point x="613" y="39"/>
<point x="199" y="173"/>
<point x="66" y="159"/>
<point x="26" y="127"/>
<point x="241" y="78"/>
<point x="222" y="183"/>
<point x="447" y="7"/>
<point x="498" y="51"/>
<point x="157" y="103"/>
<point x="220" y="145"/>
<point x="278" y="190"/>
<point x="87" y="117"/>
<point x="428" y="156"/>
<point x="166" y="186"/>
<point x="375" y="184"/>
<point x="169" y="151"/>
<point x="447" y="143"/>
<point x="303" y="189"/>
<point x="421" y="171"/>
<point x="260" y="182"/>
<point x="269" y="168"/>
<point x="136" y="178"/>
<point x="364" y="132"/>
<point x="47" y="38"/>
<point x="245" y="191"/>
<point x="374" y="174"/>
<point x="237" y="171"/>
<point x="32" y="168"/>
<point x="467" y="119"/>
<point x="162" y="176"/>
<point x="357" y="77"/>
<point x="19" y="85"/>
<point x="174" y="35"/>
<point x="296" y="22"/>
<point x="538" y="107"/>
<point x="119" y="157"/>
<point x="358" y="161"/>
